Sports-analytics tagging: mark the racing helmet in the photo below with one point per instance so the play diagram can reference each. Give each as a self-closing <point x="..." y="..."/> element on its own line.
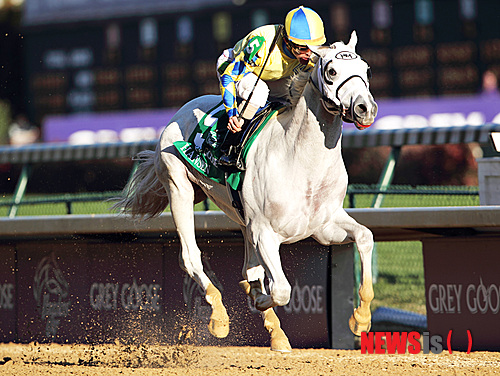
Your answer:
<point x="303" y="26"/>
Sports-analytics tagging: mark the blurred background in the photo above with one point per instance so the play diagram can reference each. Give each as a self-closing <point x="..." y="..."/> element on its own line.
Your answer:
<point x="99" y="55"/>
<point x="69" y="57"/>
<point x="107" y="63"/>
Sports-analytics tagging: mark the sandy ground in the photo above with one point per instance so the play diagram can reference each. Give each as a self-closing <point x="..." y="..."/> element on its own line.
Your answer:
<point x="118" y="359"/>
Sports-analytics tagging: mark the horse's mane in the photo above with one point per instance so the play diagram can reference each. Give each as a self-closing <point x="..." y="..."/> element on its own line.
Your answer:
<point x="296" y="86"/>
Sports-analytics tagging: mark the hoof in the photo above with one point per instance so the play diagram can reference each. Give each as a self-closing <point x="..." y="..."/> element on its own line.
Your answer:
<point x="219" y="320"/>
<point x="279" y="341"/>
<point x="245" y="286"/>
<point x="219" y="323"/>
<point x="264" y="302"/>
<point x="358" y="326"/>
<point x="261" y="301"/>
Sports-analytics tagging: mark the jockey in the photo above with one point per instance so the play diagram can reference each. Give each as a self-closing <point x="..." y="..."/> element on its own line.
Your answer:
<point x="238" y="69"/>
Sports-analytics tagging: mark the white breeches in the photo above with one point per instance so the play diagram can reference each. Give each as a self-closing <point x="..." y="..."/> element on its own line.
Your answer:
<point x="245" y="86"/>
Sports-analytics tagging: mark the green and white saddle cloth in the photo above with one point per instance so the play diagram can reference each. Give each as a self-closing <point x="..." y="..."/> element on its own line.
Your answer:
<point x="202" y="149"/>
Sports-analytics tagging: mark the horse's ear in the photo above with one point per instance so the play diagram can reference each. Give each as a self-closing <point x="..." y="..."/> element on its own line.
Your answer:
<point x="315" y="58"/>
<point x="317" y="52"/>
<point x="353" y="41"/>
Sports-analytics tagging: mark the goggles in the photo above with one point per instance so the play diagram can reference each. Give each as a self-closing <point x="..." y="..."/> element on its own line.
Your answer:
<point x="297" y="48"/>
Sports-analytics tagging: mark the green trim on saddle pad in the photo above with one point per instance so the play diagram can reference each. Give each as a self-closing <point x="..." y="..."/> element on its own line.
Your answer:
<point x="202" y="149"/>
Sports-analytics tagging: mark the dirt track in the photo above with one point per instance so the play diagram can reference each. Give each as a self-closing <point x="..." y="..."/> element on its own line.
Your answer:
<point x="117" y="359"/>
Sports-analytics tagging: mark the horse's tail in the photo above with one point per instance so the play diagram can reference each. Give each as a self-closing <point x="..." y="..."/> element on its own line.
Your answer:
<point x="144" y="195"/>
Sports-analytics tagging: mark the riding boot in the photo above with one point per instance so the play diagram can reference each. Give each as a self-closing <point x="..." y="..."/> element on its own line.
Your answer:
<point x="231" y="149"/>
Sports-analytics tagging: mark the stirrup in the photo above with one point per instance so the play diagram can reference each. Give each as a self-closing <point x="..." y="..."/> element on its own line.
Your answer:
<point x="231" y="161"/>
<point x="226" y="160"/>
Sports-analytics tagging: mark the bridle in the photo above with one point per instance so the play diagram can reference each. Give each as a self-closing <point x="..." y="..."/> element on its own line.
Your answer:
<point x="332" y="106"/>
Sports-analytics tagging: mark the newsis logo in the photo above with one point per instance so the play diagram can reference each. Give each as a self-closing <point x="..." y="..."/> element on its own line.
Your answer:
<point x="402" y="342"/>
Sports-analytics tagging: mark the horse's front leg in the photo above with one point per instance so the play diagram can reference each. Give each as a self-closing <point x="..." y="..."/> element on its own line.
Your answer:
<point x="253" y="286"/>
<point x="360" y="320"/>
<point x="279" y="340"/>
<point x="266" y="245"/>
<point x="345" y="229"/>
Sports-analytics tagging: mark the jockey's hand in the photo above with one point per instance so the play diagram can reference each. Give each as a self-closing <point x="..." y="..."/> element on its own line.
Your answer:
<point x="235" y="124"/>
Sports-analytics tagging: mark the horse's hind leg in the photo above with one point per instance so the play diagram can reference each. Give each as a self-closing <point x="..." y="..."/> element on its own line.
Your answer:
<point x="253" y="286"/>
<point x="181" y="196"/>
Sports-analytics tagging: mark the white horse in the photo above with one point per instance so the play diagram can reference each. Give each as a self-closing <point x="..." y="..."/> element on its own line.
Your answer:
<point x="294" y="186"/>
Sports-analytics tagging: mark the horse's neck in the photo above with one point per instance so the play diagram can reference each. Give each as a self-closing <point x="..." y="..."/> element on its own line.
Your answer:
<point x="313" y="131"/>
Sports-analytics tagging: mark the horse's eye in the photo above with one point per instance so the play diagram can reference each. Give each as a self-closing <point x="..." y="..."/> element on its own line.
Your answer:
<point x="329" y="73"/>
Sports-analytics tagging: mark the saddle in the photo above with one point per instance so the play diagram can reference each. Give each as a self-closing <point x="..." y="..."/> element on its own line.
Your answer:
<point x="203" y="147"/>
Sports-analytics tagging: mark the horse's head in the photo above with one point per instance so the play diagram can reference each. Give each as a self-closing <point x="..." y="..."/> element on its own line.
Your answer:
<point x="341" y="76"/>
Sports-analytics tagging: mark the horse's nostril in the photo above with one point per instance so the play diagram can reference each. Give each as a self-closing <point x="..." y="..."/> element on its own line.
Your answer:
<point x="361" y="108"/>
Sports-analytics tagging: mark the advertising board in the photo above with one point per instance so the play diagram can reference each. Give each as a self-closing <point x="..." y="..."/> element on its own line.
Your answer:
<point x="134" y="291"/>
<point x="52" y="280"/>
<point x="463" y="298"/>
<point x="7" y="293"/>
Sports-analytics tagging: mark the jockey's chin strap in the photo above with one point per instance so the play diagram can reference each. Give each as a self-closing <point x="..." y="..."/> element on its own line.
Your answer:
<point x="335" y="106"/>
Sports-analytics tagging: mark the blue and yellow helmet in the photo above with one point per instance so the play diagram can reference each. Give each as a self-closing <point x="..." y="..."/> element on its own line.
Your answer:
<point x="304" y="26"/>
